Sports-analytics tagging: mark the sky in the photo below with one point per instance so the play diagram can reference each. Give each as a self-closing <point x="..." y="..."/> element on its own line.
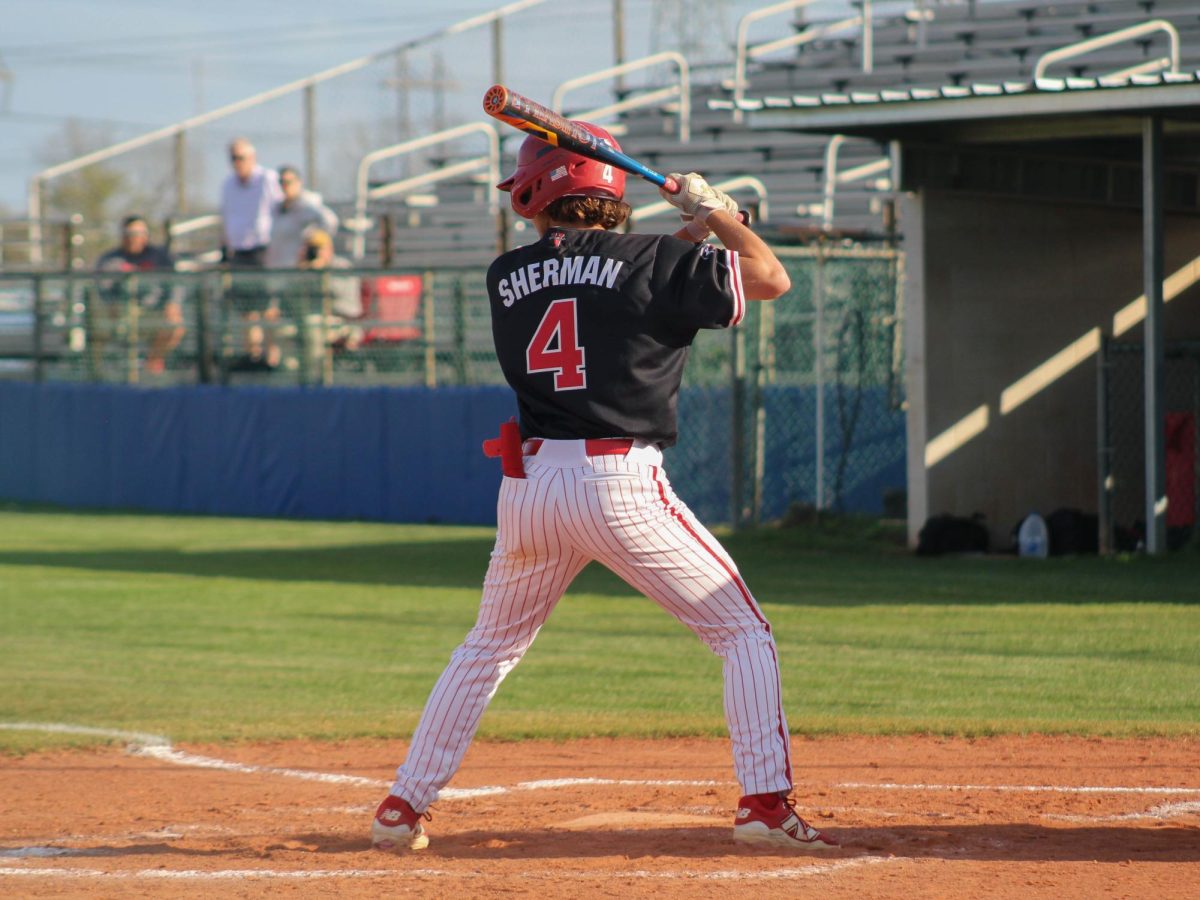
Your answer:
<point x="120" y="68"/>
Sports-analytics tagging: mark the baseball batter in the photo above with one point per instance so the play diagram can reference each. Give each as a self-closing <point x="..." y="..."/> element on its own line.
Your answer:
<point x="592" y="330"/>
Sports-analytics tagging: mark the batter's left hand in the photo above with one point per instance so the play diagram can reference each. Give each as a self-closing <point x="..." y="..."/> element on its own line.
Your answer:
<point x="696" y="228"/>
<point x="696" y="197"/>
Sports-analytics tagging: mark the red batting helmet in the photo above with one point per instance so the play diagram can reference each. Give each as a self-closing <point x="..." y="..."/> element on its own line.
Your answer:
<point x="545" y="173"/>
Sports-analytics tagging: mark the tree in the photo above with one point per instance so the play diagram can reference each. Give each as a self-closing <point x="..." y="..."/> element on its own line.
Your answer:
<point x="105" y="191"/>
<point x="88" y="192"/>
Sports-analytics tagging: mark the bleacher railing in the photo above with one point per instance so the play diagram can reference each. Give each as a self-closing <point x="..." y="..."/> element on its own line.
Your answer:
<point x="833" y="177"/>
<point x="490" y="163"/>
<point x="207" y="224"/>
<point x="1073" y="51"/>
<point x="25" y="244"/>
<point x="179" y="130"/>
<point x="744" y="52"/>
<point x="682" y="90"/>
<point x="729" y="186"/>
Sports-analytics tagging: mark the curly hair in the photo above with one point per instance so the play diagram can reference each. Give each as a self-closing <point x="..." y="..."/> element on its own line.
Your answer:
<point x="587" y="211"/>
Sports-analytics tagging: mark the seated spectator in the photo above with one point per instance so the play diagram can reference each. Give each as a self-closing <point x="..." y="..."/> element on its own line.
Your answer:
<point x="157" y="297"/>
<point x="297" y="211"/>
<point x="259" y="310"/>
<point x="316" y="252"/>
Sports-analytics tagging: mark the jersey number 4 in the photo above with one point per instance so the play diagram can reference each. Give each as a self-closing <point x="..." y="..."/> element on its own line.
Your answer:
<point x="555" y="347"/>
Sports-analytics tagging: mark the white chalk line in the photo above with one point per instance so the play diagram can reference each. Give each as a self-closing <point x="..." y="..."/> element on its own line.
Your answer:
<point x="808" y="871"/>
<point x="1015" y="788"/>
<point x="171" y="755"/>
<point x="1163" y="812"/>
<point x="160" y="748"/>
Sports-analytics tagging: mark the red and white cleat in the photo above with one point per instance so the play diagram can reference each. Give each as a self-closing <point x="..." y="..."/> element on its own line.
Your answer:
<point x="397" y="828"/>
<point x="770" y="820"/>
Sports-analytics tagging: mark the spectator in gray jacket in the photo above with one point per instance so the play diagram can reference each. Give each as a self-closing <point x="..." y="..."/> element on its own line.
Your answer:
<point x="298" y="211"/>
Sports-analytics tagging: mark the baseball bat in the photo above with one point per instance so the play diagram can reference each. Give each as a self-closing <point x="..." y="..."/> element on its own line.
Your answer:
<point x="521" y="112"/>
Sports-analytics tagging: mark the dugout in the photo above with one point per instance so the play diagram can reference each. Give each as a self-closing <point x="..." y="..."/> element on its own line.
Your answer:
<point x="1041" y="223"/>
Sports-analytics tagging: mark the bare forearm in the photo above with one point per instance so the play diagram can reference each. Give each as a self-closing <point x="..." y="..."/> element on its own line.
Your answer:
<point x="763" y="275"/>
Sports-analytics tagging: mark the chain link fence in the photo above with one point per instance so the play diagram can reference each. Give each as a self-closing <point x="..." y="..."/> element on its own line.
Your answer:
<point x="329" y="327"/>
<point x="802" y="405"/>
<point x="1121" y="443"/>
<point x="800" y="408"/>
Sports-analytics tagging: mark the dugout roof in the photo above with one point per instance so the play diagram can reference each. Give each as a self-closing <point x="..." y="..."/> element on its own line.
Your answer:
<point x="1048" y="109"/>
<point x="1154" y="119"/>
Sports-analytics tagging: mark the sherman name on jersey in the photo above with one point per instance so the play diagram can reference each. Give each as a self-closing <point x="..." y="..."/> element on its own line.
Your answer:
<point x="555" y="272"/>
<point x="592" y="328"/>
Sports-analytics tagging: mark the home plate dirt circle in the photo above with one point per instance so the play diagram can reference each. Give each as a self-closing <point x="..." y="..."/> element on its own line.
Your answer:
<point x="1012" y="816"/>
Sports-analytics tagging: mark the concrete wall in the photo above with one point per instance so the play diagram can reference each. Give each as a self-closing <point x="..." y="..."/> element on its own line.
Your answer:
<point x="997" y="287"/>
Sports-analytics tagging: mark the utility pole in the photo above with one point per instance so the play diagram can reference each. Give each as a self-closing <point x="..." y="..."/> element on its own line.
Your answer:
<point x="404" y="82"/>
<point x="691" y="27"/>
<point x="195" y="161"/>
<point x="618" y="16"/>
<point x="6" y="79"/>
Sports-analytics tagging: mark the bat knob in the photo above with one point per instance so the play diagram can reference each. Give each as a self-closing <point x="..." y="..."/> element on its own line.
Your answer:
<point x="671" y="186"/>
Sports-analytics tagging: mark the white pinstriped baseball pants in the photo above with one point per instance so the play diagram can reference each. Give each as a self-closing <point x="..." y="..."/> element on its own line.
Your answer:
<point x="619" y="510"/>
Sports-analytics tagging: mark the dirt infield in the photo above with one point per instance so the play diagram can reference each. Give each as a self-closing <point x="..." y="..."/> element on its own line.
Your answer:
<point x="1000" y="817"/>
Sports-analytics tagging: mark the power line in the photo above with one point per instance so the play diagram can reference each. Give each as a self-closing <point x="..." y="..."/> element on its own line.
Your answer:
<point x="155" y="51"/>
<point x="221" y="35"/>
<point x="33" y="118"/>
<point x="168" y="46"/>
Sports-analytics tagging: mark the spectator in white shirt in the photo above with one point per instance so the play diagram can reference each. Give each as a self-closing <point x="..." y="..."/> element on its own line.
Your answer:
<point x="298" y="211"/>
<point x="248" y="200"/>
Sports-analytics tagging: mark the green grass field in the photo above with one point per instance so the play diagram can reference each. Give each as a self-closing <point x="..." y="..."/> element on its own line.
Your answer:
<point x="213" y="629"/>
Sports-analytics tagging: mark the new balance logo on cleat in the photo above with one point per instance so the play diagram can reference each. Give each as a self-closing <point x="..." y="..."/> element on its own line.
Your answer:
<point x="770" y="820"/>
<point x="397" y="827"/>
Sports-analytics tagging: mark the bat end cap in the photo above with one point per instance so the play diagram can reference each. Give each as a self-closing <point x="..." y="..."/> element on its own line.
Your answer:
<point x="495" y="98"/>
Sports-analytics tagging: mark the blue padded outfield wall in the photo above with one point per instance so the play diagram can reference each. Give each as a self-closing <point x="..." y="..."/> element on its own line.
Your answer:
<point x="404" y="455"/>
<point x="384" y="454"/>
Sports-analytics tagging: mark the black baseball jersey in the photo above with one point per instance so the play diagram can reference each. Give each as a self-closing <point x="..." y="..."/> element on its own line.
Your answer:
<point x="592" y="328"/>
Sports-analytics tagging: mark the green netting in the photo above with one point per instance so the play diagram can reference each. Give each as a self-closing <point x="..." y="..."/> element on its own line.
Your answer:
<point x="801" y="406"/>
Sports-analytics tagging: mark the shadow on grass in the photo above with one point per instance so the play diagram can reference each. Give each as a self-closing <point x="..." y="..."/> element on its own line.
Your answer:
<point x="840" y="562"/>
<point x="776" y="573"/>
<point x="457" y="564"/>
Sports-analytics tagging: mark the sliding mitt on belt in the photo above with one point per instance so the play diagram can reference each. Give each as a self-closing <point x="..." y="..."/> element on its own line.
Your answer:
<point x="508" y="448"/>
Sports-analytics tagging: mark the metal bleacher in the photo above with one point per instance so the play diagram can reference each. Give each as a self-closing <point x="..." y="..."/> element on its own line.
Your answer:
<point x="931" y="44"/>
<point x="459" y="230"/>
<point x="917" y="44"/>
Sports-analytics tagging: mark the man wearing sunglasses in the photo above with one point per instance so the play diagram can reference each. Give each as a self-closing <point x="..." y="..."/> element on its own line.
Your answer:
<point x="248" y="199"/>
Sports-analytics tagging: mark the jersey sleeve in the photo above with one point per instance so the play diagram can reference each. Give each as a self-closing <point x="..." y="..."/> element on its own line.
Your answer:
<point x="704" y="286"/>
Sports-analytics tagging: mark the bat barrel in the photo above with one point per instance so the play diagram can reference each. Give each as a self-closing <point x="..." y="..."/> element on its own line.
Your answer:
<point x="521" y="112"/>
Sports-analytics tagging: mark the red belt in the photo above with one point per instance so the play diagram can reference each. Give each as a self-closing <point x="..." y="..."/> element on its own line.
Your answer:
<point x="591" y="447"/>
